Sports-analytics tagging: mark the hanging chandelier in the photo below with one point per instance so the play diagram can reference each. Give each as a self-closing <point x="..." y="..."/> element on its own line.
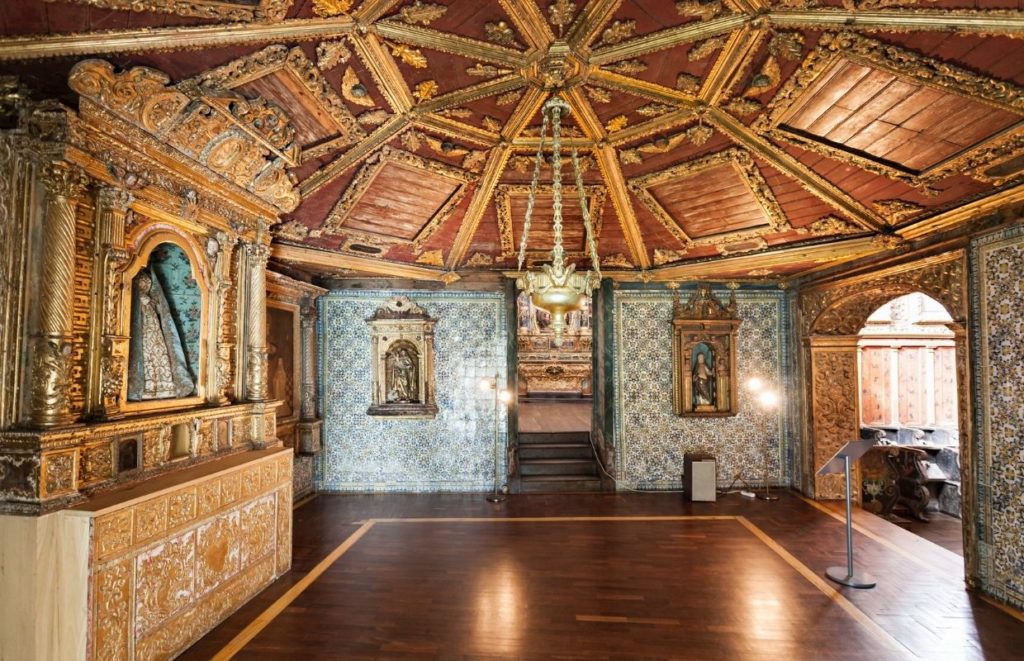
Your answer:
<point x="557" y="287"/>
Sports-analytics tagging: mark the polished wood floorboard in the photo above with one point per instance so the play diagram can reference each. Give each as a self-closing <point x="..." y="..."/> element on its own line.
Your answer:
<point x="945" y="530"/>
<point x="612" y="589"/>
<point x="555" y="416"/>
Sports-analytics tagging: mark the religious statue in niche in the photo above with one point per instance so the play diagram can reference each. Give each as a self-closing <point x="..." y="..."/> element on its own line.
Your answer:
<point x="158" y="364"/>
<point x="704" y="355"/>
<point x="402" y="351"/>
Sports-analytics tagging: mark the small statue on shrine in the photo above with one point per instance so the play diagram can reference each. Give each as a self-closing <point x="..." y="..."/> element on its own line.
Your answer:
<point x="401" y="375"/>
<point x="157" y="365"/>
<point x="704" y="384"/>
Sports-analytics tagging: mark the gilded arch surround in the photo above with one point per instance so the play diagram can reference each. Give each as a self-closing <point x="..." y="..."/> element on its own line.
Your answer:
<point x="830" y="316"/>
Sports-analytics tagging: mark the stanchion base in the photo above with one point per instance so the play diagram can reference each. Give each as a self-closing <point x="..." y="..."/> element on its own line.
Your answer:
<point x="495" y="498"/>
<point x="762" y="496"/>
<point x="857" y="580"/>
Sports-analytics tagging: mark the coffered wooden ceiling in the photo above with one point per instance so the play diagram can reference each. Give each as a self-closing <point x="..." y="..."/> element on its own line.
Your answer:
<point x="718" y="138"/>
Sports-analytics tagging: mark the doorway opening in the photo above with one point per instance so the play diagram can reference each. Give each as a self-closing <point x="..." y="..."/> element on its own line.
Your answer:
<point x="555" y="395"/>
<point x="909" y="399"/>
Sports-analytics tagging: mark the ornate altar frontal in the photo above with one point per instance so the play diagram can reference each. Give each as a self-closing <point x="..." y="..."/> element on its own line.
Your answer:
<point x="547" y="368"/>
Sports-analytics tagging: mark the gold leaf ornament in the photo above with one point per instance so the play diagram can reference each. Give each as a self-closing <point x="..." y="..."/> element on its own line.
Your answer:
<point x="561" y="13"/>
<point x="492" y="124"/>
<point x="426" y="90"/>
<point x="508" y="98"/>
<point x="618" y="31"/>
<point x="500" y="33"/>
<point x="409" y="55"/>
<point x="705" y="10"/>
<point x="617" y="123"/>
<point x="766" y="79"/>
<point x="373" y="117"/>
<point x="628" y="67"/>
<point x="598" y="94"/>
<point x="688" y="83"/>
<point x="328" y="8"/>
<point x="705" y="48"/>
<point x="422" y="13"/>
<point x="330" y="54"/>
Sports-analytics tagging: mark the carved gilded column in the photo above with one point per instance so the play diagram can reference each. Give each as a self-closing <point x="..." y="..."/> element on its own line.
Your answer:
<point x="108" y="339"/>
<point x="256" y="322"/>
<point x="968" y="476"/>
<point x="51" y="359"/>
<point x="308" y="329"/>
<point x="835" y="408"/>
<point x="219" y="251"/>
<point x="309" y="426"/>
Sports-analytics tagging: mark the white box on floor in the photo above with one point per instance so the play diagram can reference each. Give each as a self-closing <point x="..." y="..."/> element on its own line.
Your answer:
<point x="702" y="481"/>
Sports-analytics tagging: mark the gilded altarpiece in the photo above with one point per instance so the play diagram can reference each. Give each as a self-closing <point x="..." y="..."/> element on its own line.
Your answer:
<point x="545" y="367"/>
<point x="704" y="355"/>
<point x="292" y="373"/>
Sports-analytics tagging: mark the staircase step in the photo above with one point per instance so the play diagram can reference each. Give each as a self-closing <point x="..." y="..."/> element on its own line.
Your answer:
<point x="528" y="438"/>
<point x="558" y="484"/>
<point x="556" y="451"/>
<point x="564" y="467"/>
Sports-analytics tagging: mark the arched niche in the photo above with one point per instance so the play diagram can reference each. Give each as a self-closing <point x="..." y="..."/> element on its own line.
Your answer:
<point x="166" y="294"/>
<point x="831" y="318"/>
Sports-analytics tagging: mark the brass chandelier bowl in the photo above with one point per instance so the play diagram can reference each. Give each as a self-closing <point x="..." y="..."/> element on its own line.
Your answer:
<point x="557" y="287"/>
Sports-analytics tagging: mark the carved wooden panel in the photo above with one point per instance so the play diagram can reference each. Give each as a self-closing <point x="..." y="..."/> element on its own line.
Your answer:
<point x="167" y="568"/>
<point x="876" y="393"/>
<point x="312" y="124"/>
<point x="712" y="201"/>
<point x="834" y="411"/>
<point x="890" y="118"/>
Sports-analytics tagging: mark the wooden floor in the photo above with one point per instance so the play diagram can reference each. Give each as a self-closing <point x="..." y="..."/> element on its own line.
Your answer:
<point x="942" y="529"/>
<point x="555" y="416"/>
<point x="606" y="576"/>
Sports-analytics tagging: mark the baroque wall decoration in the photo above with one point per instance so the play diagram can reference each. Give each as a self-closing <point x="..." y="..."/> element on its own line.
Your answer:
<point x="451" y="451"/>
<point x="650" y="439"/>
<point x="704" y="355"/>
<point x="402" y="355"/>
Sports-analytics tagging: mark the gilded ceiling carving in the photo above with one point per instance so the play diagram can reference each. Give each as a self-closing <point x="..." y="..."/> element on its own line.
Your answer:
<point x="631" y="124"/>
<point x="504" y="193"/>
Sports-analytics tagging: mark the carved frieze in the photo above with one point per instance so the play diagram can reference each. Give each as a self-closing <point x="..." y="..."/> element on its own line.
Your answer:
<point x="250" y="142"/>
<point x="225" y="10"/>
<point x="835" y="411"/>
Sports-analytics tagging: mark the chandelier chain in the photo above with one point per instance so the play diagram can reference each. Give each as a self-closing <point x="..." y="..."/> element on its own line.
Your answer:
<point x="557" y="252"/>
<point x="533" y="192"/>
<point x="591" y="244"/>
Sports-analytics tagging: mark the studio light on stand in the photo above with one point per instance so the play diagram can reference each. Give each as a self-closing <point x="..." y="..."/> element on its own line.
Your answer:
<point x="768" y="400"/>
<point x="501" y="396"/>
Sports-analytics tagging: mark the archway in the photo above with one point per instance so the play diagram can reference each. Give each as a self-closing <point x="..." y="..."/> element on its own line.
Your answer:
<point x="908" y="396"/>
<point x="830" y="318"/>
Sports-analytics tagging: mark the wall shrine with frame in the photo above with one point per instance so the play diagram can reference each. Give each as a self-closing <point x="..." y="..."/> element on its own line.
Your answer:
<point x="704" y="355"/>
<point x="402" y="354"/>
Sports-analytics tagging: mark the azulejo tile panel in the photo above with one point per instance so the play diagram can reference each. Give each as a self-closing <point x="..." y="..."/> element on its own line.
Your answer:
<point x="652" y="440"/>
<point x="997" y="338"/>
<point x="453" y="451"/>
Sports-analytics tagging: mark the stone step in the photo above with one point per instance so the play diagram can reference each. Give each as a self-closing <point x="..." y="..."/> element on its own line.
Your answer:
<point x="556" y="451"/>
<point x="558" y="484"/>
<point x="564" y="467"/>
<point x="528" y="438"/>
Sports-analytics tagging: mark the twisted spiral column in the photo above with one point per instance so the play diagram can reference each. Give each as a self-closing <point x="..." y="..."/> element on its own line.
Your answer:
<point x="52" y="345"/>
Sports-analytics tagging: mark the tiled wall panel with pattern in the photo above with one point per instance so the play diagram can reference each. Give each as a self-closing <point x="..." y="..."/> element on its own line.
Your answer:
<point x="651" y="440"/>
<point x="450" y="452"/>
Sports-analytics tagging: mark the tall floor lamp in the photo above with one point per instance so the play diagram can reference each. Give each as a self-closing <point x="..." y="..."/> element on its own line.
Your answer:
<point x="501" y="396"/>
<point x="769" y="400"/>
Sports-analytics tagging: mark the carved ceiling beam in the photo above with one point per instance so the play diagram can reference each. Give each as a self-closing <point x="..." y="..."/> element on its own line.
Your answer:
<point x="529" y="22"/>
<point x="834" y="252"/>
<point x="496" y="162"/>
<point x="608" y="162"/>
<point x="670" y="38"/>
<point x="385" y="71"/>
<point x="810" y="180"/>
<point x="471" y="93"/>
<point x="641" y="88"/>
<point x="730" y="65"/>
<point x="650" y="127"/>
<point x="964" y="213"/>
<point x="139" y="40"/>
<point x="370" y="10"/>
<point x="389" y="129"/>
<point x="445" y="42"/>
<point x="456" y="129"/>
<point x="584" y="115"/>
<point x="314" y="257"/>
<point x="590" y="21"/>
<point x="996" y="21"/>
<point x="527" y="109"/>
<point x="749" y="6"/>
